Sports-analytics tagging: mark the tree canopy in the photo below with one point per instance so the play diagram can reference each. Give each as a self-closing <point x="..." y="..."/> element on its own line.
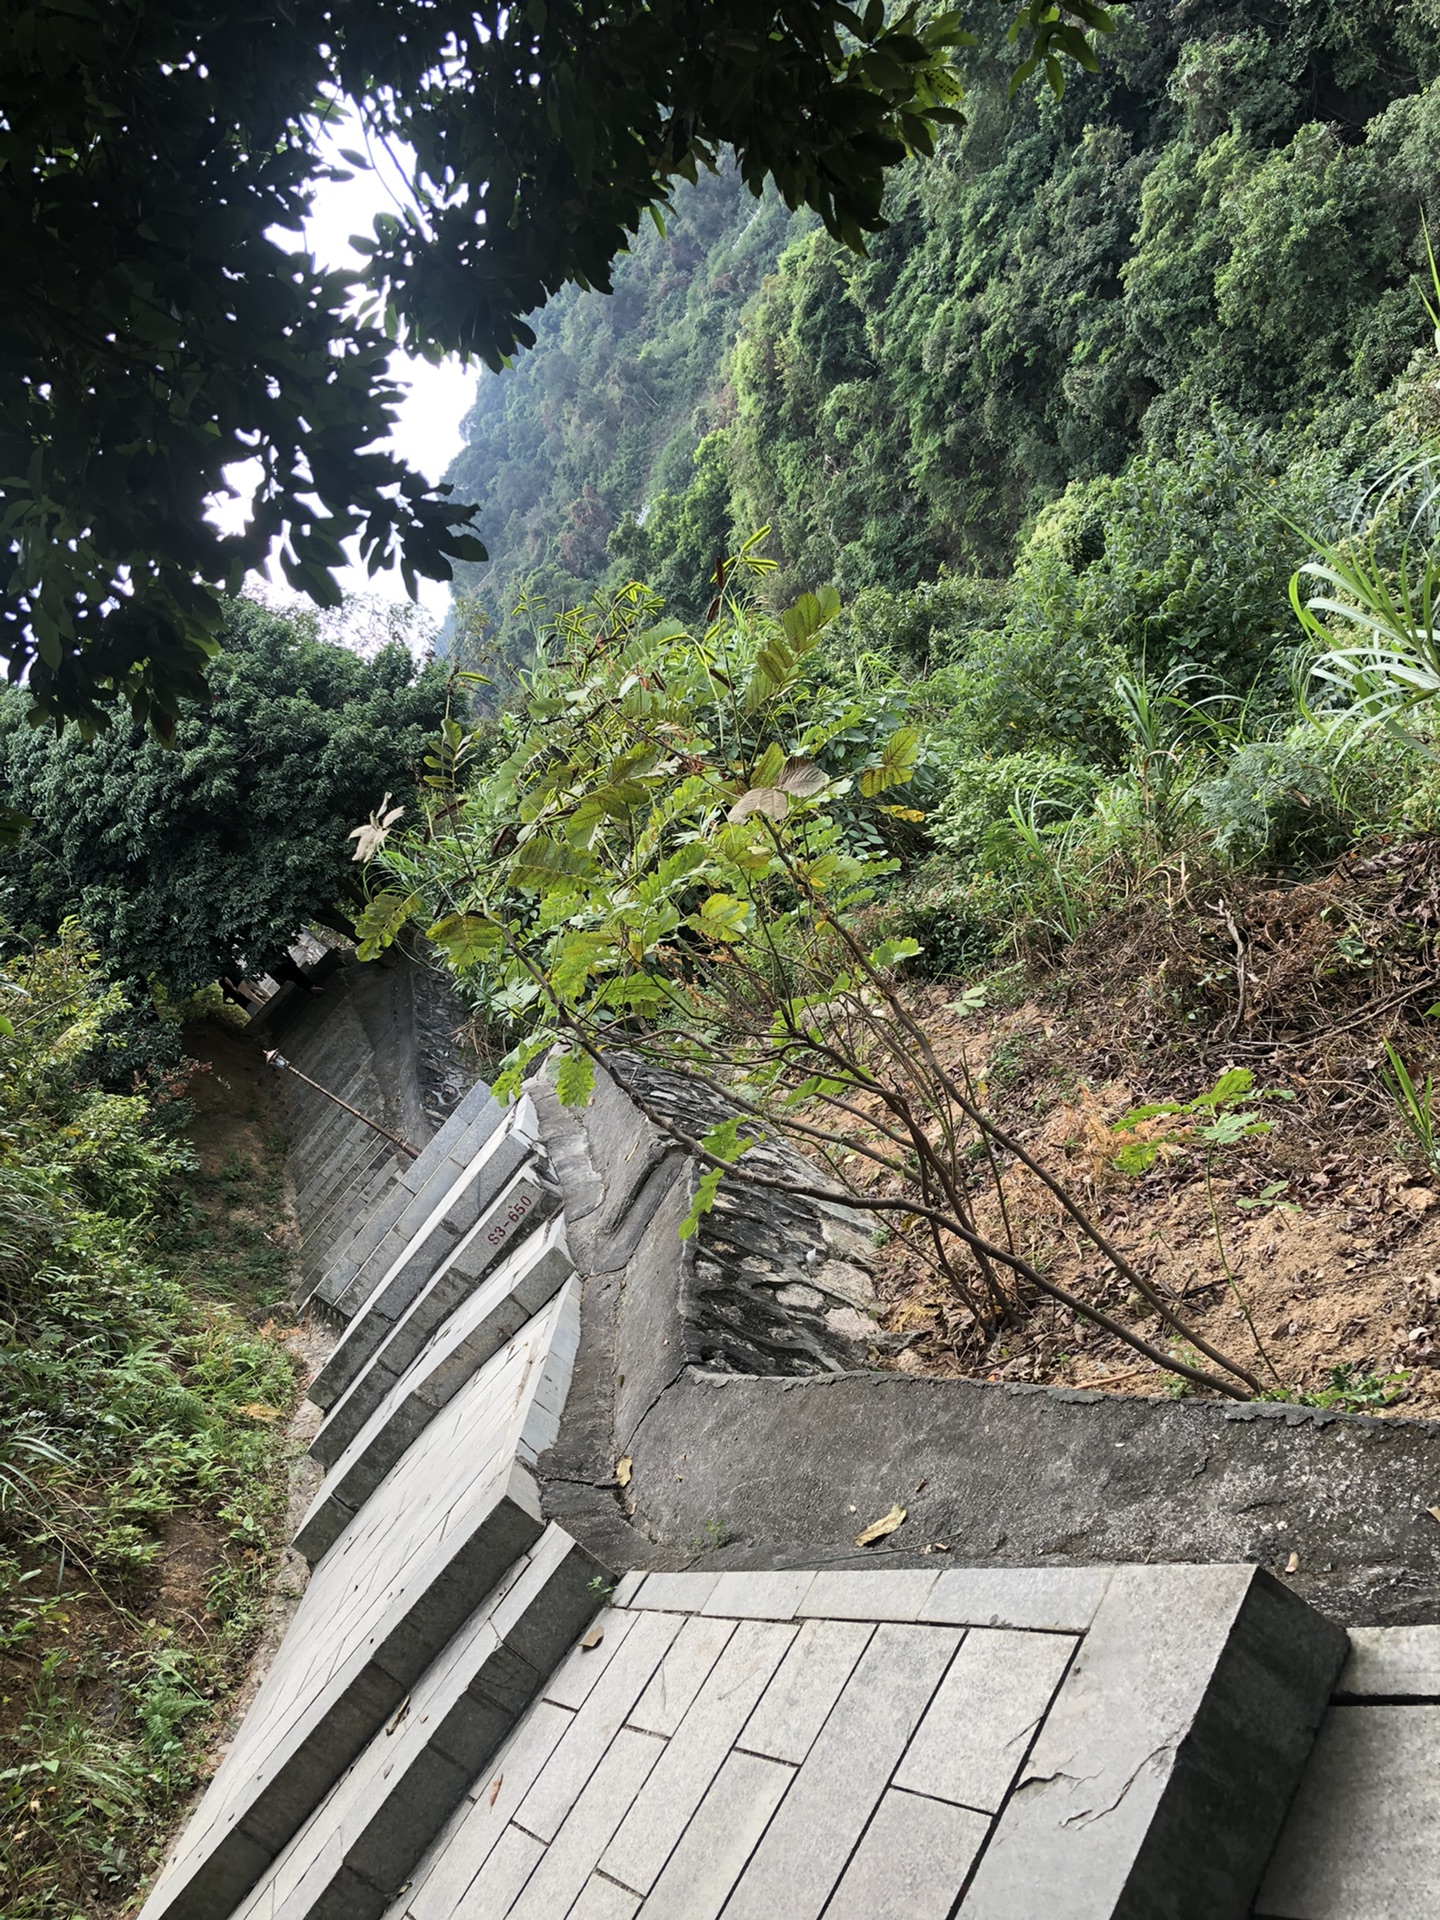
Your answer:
<point x="157" y="329"/>
<point x="180" y="861"/>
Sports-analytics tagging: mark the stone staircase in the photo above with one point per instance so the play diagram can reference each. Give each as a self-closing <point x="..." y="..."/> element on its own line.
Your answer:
<point x="528" y="1681"/>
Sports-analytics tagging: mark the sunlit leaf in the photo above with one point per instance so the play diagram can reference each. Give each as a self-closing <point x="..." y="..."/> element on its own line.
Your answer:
<point x="575" y="1080"/>
<point x="466" y="939"/>
<point x="382" y="919"/>
<point x="898" y="760"/>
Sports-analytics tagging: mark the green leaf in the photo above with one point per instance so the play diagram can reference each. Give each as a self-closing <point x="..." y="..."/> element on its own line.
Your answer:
<point x="769" y="767"/>
<point x="578" y="955"/>
<point x="726" y="1143"/>
<point x="890" y="953"/>
<point x="1227" y="1128"/>
<point x="722" y="917"/>
<point x="775" y="667"/>
<point x="899" y="758"/>
<point x="1270" y="1196"/>
<point x="382" y="919"/>
<point x="1137" y="1156"/>
<point x="545" y="866"/>
<point x="1152" y="1112"/>
<point x="807" y="619"/>
<point x="706" y="1188"/>
<point x="1232" y="1085"/>
<point x="575" y="1080"/>
<point x="466" y="939"/>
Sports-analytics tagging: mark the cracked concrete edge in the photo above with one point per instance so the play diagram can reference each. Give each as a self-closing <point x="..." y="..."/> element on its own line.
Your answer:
<point x="577" y="1475"/>
<point x="728" y="1472"/>
<point x="1162" y="1773"/>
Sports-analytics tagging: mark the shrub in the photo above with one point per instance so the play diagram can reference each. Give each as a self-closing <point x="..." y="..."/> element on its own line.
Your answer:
<point x="1296" y="802"/>
<point x="982" y="793"/>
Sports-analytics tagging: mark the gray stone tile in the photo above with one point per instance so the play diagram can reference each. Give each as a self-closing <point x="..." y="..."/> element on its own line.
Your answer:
<point x="807" y="1845"/>
<point x="575" y="1851"/>
<point x="978" y="1727"/>
<point x="503" y="1221"/>
<point x="474" y="1831"/>
<point x="1053" y="1599"/>
<point x="477" y="1103"/>
<point x="627" y="1589"/>
<point x="596" y="1724"/>
<point x="1398" y="1663"/>
<point x="442" y="1212"/>
<point x="759" y="1596"/>
<point x="1362" y="1840"/>
<point x="384" y="1813"/>
<point x="727" y="1827"/>
<point x="572" y="1681"/>
<point x="603" y="1900"/>
<point x="911" y="1862"/>
<point x="470" y="1338"/>
<point x="798" y="1700"/>
<point x="695" y="1753"/>
<point x="385" y="1338"/>
<point x="680" y="1675"/>
<point x="883" y="1595"/>
<point x="676" y="1592"/>
<point x="500" y="1882"/>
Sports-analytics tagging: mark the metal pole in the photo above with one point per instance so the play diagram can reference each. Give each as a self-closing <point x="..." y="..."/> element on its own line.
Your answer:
<point x="274" y="1058"/>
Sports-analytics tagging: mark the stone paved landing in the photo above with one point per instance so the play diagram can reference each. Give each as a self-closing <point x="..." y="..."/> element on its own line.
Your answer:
<point x="1363" y="1838"/>
<point x="899" y="1746"/>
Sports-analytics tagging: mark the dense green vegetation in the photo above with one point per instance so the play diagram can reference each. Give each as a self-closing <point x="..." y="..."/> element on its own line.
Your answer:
<point x="1006" y="647"/>
<point x="1215" y="237"/>
<point x="184" y="862"/>
<point x="602" y="414"/>
<point x="137" y="1392"/>
<point x="1121" y="362"/>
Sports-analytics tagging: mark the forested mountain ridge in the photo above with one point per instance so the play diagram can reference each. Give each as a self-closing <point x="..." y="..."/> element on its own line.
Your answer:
<point x="605" y="412"/>
<point x="1220" y="229"/>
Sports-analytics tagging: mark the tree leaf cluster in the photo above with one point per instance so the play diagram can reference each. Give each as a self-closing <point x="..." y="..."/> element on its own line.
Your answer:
<point x="159" y="331"/>
<point x="189" y="861"/>
<point x="672" y="803"/>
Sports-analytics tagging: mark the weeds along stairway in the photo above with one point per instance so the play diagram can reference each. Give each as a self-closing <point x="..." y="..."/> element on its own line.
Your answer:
<point x="588" y="1633"/>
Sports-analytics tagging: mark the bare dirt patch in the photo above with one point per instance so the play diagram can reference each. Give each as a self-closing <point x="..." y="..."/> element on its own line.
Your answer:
<point x="1329" y="1223"/>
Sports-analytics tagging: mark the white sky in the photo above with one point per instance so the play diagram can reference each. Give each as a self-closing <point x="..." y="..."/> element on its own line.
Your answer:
<point x="427" y="430"/>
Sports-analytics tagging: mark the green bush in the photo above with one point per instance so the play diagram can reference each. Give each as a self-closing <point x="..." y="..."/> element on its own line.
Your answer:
<point x="126" y="1395"/>
<point x="982" y="793"/>
<point x="1296" y="802"/>
<point x="953" y="920"/>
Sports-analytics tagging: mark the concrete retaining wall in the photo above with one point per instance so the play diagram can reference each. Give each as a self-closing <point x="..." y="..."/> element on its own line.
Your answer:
<point x="776" y="1459"/>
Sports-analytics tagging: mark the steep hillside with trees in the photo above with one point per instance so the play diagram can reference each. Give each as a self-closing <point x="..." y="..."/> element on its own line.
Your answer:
<point x="604" y="412"/>
<point x="1217" y="234"/>
<point x="1068" y="880"/>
